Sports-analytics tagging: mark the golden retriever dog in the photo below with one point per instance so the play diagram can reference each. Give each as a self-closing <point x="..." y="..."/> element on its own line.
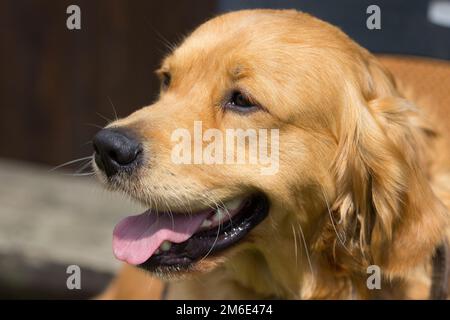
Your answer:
<point x="356" y="206"/>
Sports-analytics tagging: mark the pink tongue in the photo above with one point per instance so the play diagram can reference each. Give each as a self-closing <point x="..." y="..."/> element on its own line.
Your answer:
<point x="136" y="238"/>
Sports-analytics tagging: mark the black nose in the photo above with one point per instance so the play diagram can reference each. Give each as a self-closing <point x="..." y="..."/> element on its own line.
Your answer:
<point x="116" y="149"/>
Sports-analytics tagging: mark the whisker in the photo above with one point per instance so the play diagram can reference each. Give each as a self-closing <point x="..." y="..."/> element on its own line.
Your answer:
<point x="180" y="200"/>
<point x="80" y="174"/>
<point x="156" y="210"/>
<point x="150" y="204"/>
<point x="87" y="142"/>
<point x="333" y="223"/>
<point x="306" y="249"/>
<point x="69" y="163"/>
<point x="171" y="216"/>
<point x="170" y="46"/>
<point x="226" y="210"/>
<point x="114" y="108"/>
<point x="83" y="167"/>
<point x="214" y="243"/>
<point x="217" y="206"/>
<point x="295" y="246"/>
<point x="104" y="118"/>
<point x="92" y="125"/>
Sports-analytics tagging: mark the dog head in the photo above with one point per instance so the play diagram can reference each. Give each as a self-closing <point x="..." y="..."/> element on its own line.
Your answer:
<point x="274" y="134"/>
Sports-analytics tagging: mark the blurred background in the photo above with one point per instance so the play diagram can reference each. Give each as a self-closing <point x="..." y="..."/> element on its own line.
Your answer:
<point x="59" y="86"/>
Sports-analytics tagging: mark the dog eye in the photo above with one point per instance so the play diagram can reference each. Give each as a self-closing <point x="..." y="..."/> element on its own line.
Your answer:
<point x="165" y="80"/>
<point x="240" y="102"/>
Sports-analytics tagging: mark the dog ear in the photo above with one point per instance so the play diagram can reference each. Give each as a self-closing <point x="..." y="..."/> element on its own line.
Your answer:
<point x="385" y="205"/>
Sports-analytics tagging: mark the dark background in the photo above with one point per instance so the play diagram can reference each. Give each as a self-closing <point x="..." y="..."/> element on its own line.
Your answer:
<point x="56" y="84"/>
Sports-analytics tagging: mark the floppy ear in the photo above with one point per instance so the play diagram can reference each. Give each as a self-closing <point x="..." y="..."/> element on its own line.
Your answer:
<point x="385" y="205"/>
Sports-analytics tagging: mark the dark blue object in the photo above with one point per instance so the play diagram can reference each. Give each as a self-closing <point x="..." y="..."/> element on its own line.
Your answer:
<point x="405" y="27"/>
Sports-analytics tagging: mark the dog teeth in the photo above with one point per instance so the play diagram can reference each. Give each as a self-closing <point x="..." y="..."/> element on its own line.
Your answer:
<point x="165" y="246"/>
<point x="229" y="207"/>
<point x="220" y="213"/>
<point x="206" y="223"/>
<point x="233" y="204"/>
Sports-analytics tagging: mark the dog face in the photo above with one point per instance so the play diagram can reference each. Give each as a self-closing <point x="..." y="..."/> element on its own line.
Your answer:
<point x="284" y="75"/>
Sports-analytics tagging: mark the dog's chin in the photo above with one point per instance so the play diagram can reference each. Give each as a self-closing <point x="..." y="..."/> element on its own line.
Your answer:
<point x="173" y="273"/>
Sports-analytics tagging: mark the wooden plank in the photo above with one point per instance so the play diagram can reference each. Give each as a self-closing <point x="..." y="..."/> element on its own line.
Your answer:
<point x="50" y="221"/>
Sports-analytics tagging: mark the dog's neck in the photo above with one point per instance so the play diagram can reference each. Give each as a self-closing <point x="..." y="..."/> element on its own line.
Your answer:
<point x="259" y="279"/>
<point x="250" y="275"/>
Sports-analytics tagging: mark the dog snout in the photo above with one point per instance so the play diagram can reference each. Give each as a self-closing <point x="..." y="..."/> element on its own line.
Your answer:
<point x="116" y="149"/>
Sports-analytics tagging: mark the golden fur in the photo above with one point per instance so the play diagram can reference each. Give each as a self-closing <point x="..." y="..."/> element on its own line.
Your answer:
<point x="364" y="173"/>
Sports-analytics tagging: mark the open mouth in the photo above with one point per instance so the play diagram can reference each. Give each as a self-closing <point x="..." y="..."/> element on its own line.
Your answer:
<point x="163" y="241"/>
